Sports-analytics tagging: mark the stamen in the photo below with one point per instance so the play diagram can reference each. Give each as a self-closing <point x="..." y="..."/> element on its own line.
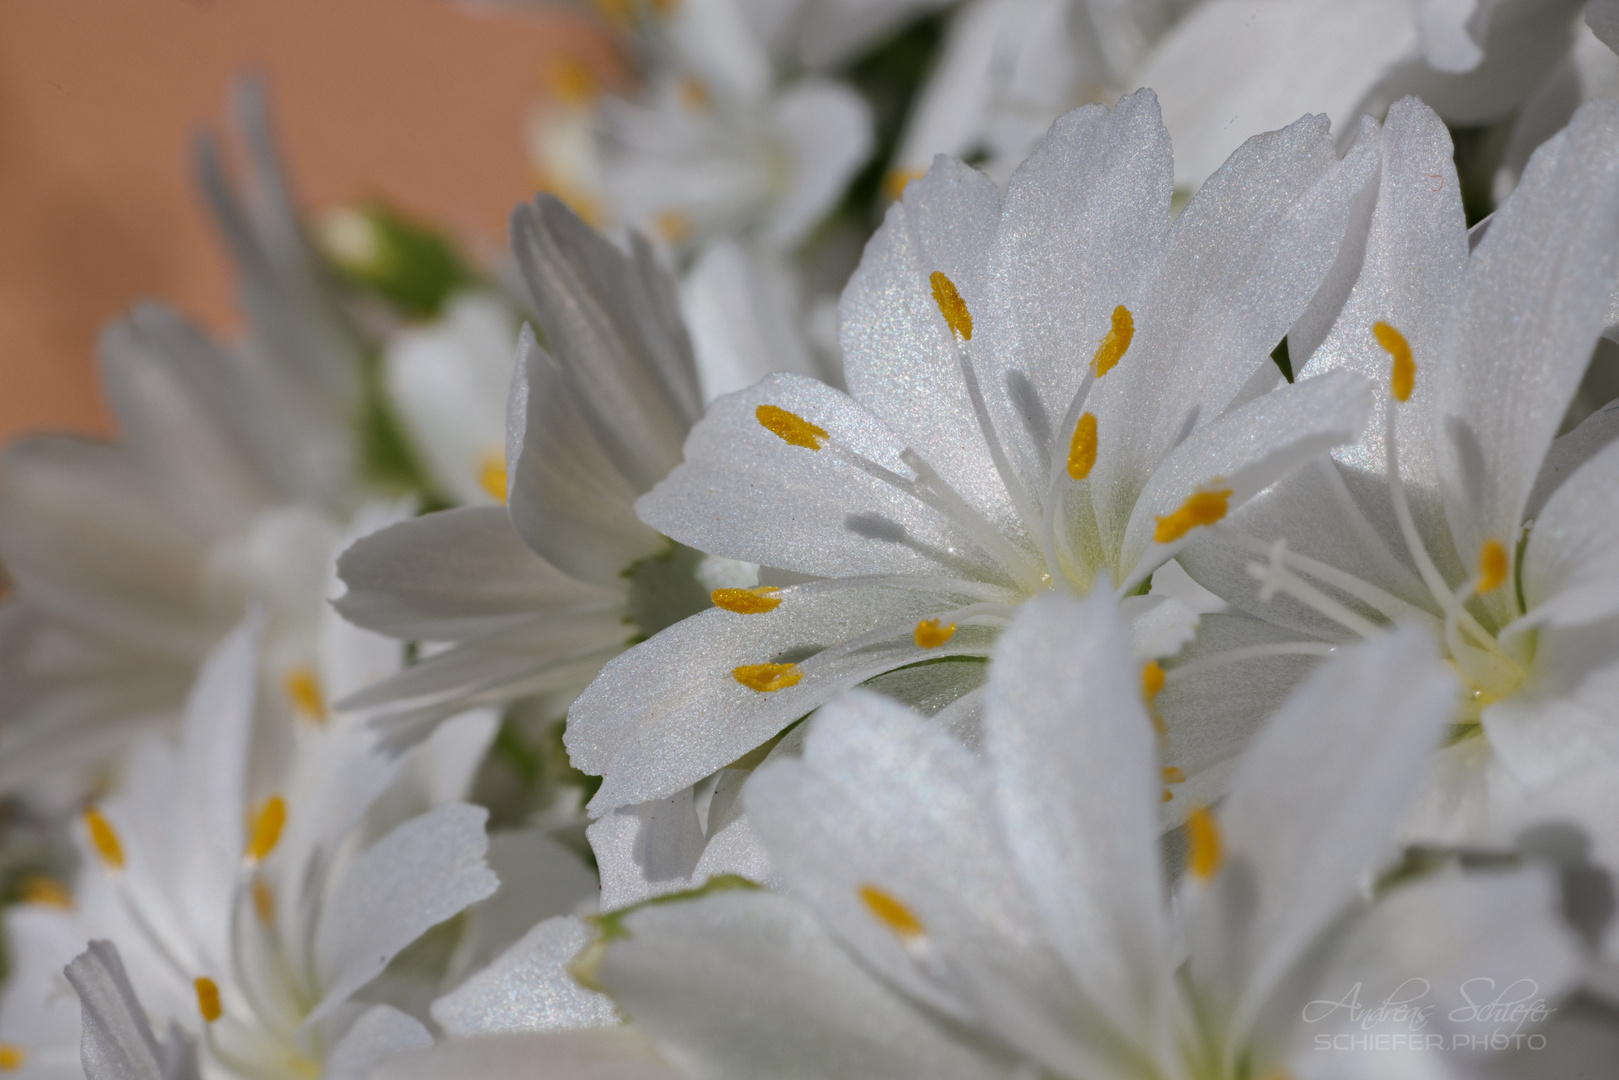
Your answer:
<point x="1204" y="854"/>
<point x="304" y="689"/>
<point x="672" y="226"/>
<point x="12" y="1056"/>
<point x="208" y="999"/>
<point x="1082" y="447"/>
<point x="1117" y="341"/>
<point x="1172" y="775"/>
<point x="1152" y="681"/>
<point x="266" y="829"/>
<point x="894" y="183"/>
<point x="105" y="838"/>
<point x="768" y="678"/>
<point x="790" y="427"/>
<point x="492" y="475"/>
<point x="263" y="901"/>
<point x="952" y="306"/>
<point x="1200" y="508"/>
<point x="892" y="913"/>
<point x="930" y="634"/>
<point x="1492" y="565"/>
<point x="754" y="601"/>
<point x="1403" y="379"/>
<point x="694" y="95"/>
<point x="1275" y="577"/>
<point x="47" y="892"/>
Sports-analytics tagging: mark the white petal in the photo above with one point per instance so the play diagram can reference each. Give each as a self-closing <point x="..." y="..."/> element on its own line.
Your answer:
<point x="538" y="878"/>
<point x="448" y="381"/>
<point x="1233" y="68"/>
<point x="527" y="988"/>
<point x="743" y="311"/>
<point x="900" y="359"/>
<point x="745" y="493"/>
<point x="1602" y="16"/>
<point x="38" y="1011"/>
<point x="1571" y="564"/>
<point x="615" y="1053"/>
<point x="1246" y="451"/>
<point x="1084" y="219"/>
<point x="827" y="129"/>
<point x="417" y="876"/>
<point x="670" y="711"/>
<point x="118" y="1043"/>
<point x="1077" y="786"/>
<point x="1560" y="721"/>
<point x="455" y="575"/>
<point x="1230" y="282"/>
<point x="646" y="849"/>
<point x="1568" y="452"/>
<point x="1315" y="801"/>
<point x="779" y="998"/>
<point x="916" y="819"/>
<point x="949" y="114"/>
<point x="380" y="1033"/>
<point x="1523" y="329"/>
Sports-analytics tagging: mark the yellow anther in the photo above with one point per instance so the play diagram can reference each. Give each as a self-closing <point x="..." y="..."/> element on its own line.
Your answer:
<point x="1204" y="854"/>
<point x="1113" y="347"/>
<point x="105" y="838"/>
<point x="1173" y="775"/>
<point x="952" y="306"/>
<point x="892" y="913"/>
<point x="894" y="182"/>
<point x="266" y="829"/>
<point x="570" y="82"/>
<point x="1492" y="565"/>
<point x="768" y="678"/>
<point x="693" y="94"/>
<point x="208" y="999"/>
<point x="263" y="901"/>
<point x="754" y="601"/>
<point x="47" y="892"/>
<point x="1404" y="378"/>
<point x="1200" y="508"/>
<point x="1152" y="680"/>
<point x="304" y="691"/>
<point x="12" y="1057"/>
<point x="930" y="634"/>
<point x="492" y="475"/>
<point x="672" y="226"/>
<point x="790" y="427"/>
<point x="1082" y="447"/>
<point x="666" y="8"/>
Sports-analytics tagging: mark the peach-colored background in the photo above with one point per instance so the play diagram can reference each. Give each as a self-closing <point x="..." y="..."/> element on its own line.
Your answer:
<point x="414" y="100"/>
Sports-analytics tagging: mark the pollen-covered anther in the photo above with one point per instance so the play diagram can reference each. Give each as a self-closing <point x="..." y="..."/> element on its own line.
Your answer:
<point x="1493" y="565"/>
<point x="754" y="601"/>
<point x="892" y="913"/>
<point x="1403" y="379"/>
<point x="1082" y="447"/>
<point x="952" y="306"/>
<point x="672" y="226"/>
<point x="931" y="633"/>
<point x="694" y="95"/>
<point x="1200" y="508"/>
<point x="12" y="1056"/>
<point x="790" y="427"/>
<point x="104" y="838"/>
<point x="263" y="901"/>
<point x="492" y="475"/>
<point x="1116" y="343"/>
<point x="1172" y="775"/>
<point x="306" y="694"/>
<point x="266" y="829"/>
<point x="768" y="678"/>
<point x="1152" y="682"/>
<point x="895" y="181"/>
<point x="44" y="891"/>
<point x="1204" y="854"/>
<point x="208" y="999"/>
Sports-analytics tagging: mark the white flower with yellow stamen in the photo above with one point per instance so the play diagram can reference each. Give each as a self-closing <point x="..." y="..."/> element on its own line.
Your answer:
<point x="1044" y="394"/>
<point x="1458" y="508"/>
<point x="1006" y="915"/>
<point x="252" y="920"/>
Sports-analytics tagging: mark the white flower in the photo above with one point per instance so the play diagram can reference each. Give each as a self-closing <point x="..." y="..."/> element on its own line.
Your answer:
<point x="250" y="904"/>
<point x="1006" y="916"/>
<point x="118" y="1043"/>
<point x="980" y="459"/>
<point x="1457" y="508"/>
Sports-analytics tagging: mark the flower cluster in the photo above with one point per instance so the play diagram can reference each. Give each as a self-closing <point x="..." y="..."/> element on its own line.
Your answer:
<point x="1171" y="632"/>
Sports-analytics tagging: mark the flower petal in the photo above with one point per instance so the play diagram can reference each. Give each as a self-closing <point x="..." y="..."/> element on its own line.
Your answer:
<point x="118" y="1042"/>
<point x="527" y="988"/>
<point x="780" y="998"/>
<point x="381" y="1032"/>
<point x="827" y="131"/>
<point x="646" y="849"/>
<point x="614" y="1053"/>
<point x="1571" y="564"/>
